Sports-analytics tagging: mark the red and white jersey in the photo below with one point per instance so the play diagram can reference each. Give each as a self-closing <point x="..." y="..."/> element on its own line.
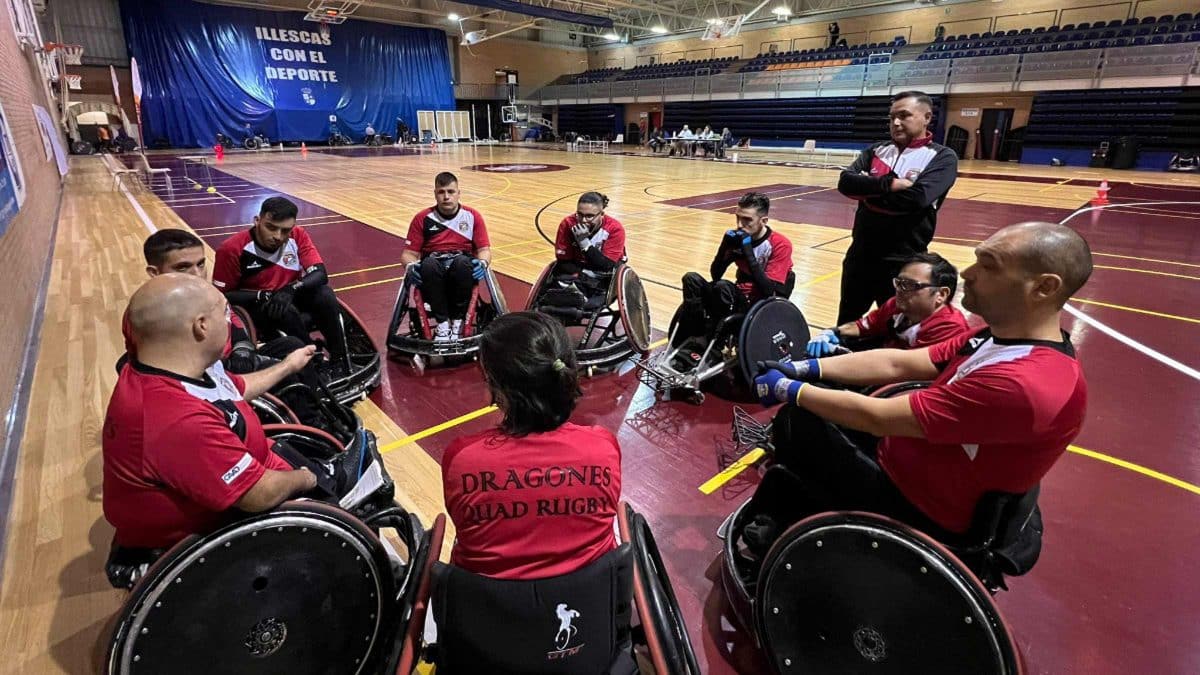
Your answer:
<point x="532" y="507"/>
<point x="610" y="238"/>
<point x="242" y="265"/>
<point x="773" y="253"/>
<point x="907" y="162"/>
<point x="889" y="322"/>
<point x="997" y="417"/>
<point x="178" y="453"/>
<point x="463" y="232"/>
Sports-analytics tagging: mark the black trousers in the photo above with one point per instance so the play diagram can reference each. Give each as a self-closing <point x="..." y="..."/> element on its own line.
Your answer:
<point x="705" y="304"/>
<point x="447" y="283"/>
<point x="322" y="305"/>
<point x="866" y="278"/>
<point x="832" y="469"/>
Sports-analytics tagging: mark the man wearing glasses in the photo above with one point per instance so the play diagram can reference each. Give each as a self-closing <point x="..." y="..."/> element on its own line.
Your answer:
<point x="919" y="315"/>
<point x="900" y="184"/>
<point x="589" y="239"/>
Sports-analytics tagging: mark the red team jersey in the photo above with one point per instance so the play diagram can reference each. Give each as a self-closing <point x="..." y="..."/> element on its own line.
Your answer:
<point x="999" y="414"/>
<point x="610" y="238"/>
<point x="889" y="322"/>
<point x="242" y="265"/>
<point x="532" y="507"/>
<point x="464" y="232"/>
<point x="774" y="254"/>
<point x="178" y="453"/>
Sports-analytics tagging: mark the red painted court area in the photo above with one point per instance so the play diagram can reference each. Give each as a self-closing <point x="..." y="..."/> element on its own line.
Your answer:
<point x="1112" y="592"/>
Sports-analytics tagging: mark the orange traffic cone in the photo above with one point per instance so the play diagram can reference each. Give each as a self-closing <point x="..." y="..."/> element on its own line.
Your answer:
<point x="303" y="148"/>
<point x="1101" y="197"/>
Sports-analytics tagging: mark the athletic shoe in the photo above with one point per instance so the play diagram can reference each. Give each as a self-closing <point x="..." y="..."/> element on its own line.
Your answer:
<point x="442" y="334"/>
<point x="456" y="329"/>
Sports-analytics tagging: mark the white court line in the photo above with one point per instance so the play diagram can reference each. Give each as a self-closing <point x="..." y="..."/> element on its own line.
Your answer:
<point x="138" y="208"/>
<point x="1114" y="333"/>
<point x="735" y="198"/>
<point x="1116" y="206"/>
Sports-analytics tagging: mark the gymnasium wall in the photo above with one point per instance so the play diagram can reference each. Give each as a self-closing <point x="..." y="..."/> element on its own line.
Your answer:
<point x="536" y="63"/>
<point x="26" y="246"/>
<point x="1021" y="103"/>
<point x="916" y="25"/>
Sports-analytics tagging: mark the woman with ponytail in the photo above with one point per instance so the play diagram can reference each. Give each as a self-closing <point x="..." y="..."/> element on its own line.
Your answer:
<point x="534" y="497"/>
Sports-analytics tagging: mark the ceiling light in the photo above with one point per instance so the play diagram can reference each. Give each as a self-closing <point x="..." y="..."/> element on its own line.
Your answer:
<point x="611" y="35"/>
<point x="660" y="30"/>
<point x="712" y="21"/>
<point x="453" y="16"/>
<point x="781" y="11"/>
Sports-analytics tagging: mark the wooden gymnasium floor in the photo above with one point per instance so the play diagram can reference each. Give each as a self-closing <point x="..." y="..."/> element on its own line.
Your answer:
<point x="1112" y="593"/>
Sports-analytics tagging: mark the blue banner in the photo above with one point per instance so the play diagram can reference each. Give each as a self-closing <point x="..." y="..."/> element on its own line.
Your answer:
<point x="207" y="69"/>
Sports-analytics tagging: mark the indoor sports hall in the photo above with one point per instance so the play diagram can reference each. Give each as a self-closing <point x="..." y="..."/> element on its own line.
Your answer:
<point x="584" y="336"/>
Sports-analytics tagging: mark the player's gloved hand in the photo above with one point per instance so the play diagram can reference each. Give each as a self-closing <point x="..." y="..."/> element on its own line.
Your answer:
<point x="298" y="359"/>
<point x="478" y="268"/>
<point x="279" y="303"/>
<point x="824" y="344"/>
<point x="582" y="236"/>
<point x="774" y="387"/>
<point x="412" y="272"/>
<point x="805" y="371"/>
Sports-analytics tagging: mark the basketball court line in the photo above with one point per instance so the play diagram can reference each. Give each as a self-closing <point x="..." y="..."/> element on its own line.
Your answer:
<point x="1136" y="310"/>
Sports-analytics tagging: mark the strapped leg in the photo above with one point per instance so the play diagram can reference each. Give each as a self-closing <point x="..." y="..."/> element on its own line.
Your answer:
<point x="691" y="314"/>
<point x="460" y="284"/>
<point x="322" y="304"/>
<point x="433" y="288"/>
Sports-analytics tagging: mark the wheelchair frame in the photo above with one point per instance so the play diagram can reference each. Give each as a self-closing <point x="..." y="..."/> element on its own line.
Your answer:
<point x="608" y="347"/>
<point x="418" y="340"/>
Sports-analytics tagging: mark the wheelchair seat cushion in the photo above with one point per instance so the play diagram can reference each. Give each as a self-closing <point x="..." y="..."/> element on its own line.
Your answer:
<point x="576" y="623"/>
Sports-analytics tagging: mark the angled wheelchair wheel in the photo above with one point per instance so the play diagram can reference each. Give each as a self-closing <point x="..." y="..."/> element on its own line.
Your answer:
<point x="305" y="588"/>
<point x="635" y="310"/>
<point x="365" y="367"/>
<point x="272" y="410"/>
<point x="849" y="592"/>
<point x="244" y="315"/>
<point x="774" y="330"/>
<point x="896" y="389"/>
<point x="531" y="301"/>
<point x="667" y="637"/>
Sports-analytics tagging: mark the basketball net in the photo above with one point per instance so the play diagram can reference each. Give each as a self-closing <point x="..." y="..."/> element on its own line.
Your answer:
<point x="724" y="27"/>
<point x="323" y="29"/>
<point x="75" y="82"/>
<point x="72" y="54"/>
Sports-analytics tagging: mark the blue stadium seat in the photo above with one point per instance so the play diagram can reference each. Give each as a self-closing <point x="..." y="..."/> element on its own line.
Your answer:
<point x="1158" y="40"/>
<point x="1186" y="16"/>
<point x="1039" y="29"/>
<point x="986" y="34"/>
<point x="1068" y="27"/>
<point x="1194" y="37"/>
<point x="1083" y="26"/>
<point x="973" y="36"/>
<point x="1166" y="18"/>
<point x="1125" y="32"/>
<point x="1174" y="38"/>
<point x="1119" y="42"/>
<point x="1131" y="22"/>
<point x="1147" y="19"/>
<point x="1115" y="23"/>
<point x="1139" y="41"/>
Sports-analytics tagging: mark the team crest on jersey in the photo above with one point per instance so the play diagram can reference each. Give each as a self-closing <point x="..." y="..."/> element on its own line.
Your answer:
<point x="912" y="174"/>
<point x="289" y="259"/>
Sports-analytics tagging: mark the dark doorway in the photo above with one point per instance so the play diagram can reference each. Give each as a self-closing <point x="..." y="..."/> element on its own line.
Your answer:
<point x="994" y="126"/>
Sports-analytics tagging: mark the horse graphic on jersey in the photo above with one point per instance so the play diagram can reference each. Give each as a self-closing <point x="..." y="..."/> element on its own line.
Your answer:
<point x="565" y="630"/>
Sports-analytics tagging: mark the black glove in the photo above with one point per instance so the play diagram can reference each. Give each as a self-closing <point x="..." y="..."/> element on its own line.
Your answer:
<point x="279" y="303"/>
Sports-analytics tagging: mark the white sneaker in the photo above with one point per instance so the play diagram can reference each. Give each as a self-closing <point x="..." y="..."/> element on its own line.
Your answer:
<point x="442" y="333"/>
<point x="456" y="329"/>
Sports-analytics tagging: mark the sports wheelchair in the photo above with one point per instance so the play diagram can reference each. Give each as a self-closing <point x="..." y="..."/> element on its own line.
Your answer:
<point x="412" y="326"/>
<point x="772" y="330"/>
<point x="574" y="623"/>
<point x="848" y="591"/>
<point x="348" y="380"/>
<point x="609" y="311"/>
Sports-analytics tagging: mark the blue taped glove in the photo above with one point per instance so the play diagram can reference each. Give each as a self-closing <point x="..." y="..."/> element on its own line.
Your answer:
<point x="774" y="387"/>
<point x="478" y="268"/>
<point x="823" y="344"/>
<point x="805" y="371"/>
<point x="412" y="272"/>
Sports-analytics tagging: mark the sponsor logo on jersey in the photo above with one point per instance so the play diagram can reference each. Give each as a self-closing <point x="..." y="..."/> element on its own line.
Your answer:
<point x="237" y="469"/>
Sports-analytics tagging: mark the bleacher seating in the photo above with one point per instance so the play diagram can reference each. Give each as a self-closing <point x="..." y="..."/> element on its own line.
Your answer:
<point x="1161" y="118"/>
<point x="594" y="121"/>
<point x="817" y="58"/>
<point x="678" y="69"/>
<point x="595" y="75"/>
<point x="1166" y="29"/>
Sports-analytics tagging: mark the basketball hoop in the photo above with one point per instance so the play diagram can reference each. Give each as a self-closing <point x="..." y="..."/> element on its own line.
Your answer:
<point x="324" y="30"/>
<point x="723" y="27"/>
<point x="72" y="54"/>
<point x="74" y="82"/>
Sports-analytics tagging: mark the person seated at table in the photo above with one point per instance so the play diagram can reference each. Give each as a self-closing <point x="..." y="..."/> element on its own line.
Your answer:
<point x="183" y="450"/>
<point x="707" y="139"/>
<point x="656" y="141"/>
<point x="921" y="313"/>
<point x="534" y="497"/>
<point x="682" y="143"/>
<point x="727" y="141"/>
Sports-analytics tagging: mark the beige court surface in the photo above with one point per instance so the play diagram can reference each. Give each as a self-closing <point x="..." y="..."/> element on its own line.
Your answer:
<point x="56" y="601"/>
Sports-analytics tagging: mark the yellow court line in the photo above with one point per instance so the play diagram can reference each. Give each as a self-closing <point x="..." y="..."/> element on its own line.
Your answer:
<point x="1137" y="468"/>
<point x="1136" y="310"/>
<point x="657" y="343"/>
<point x="540" y="250"/>
<point x="436" y="429"/>
<point x="744" y="462"/>
<point x="812" y="282"/>
<point x="520" y="243"/>
<point x="1094" y="253"/>
<point x="1061" y="182"/>
<point x="369" y="283"/>
<point x="366" y="269"/>
<point x="1134" y="269"/>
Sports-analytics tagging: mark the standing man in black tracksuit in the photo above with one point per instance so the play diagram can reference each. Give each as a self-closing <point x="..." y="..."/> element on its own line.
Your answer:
<point x="899" y="185"/>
